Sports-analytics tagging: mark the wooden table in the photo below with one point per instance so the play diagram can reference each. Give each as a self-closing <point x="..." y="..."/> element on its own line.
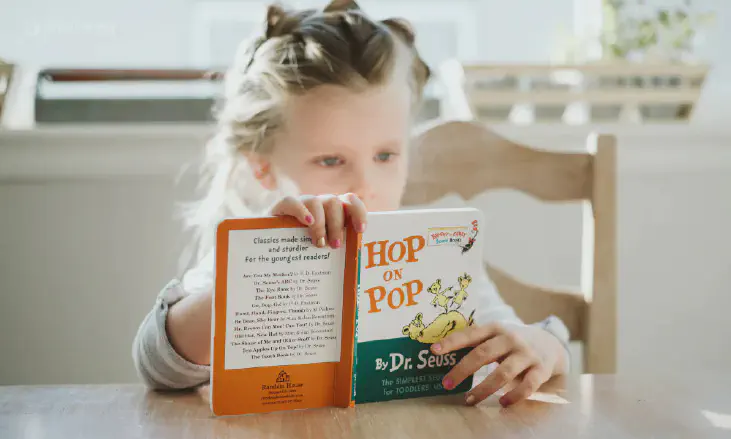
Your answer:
<point x="587" y="407"/>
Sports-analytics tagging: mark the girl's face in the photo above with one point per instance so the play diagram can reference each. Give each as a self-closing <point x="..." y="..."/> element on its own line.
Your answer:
<point x="337" y="141"/>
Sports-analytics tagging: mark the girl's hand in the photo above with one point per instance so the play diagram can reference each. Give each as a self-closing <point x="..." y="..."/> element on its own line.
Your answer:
<point x="325" y="215"/>
<point x="527" y="355"/>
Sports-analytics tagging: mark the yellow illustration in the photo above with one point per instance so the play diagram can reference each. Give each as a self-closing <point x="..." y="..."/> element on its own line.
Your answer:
<point x="446" y="322"/>
<point x="440" y="299"/>
<point x="464" y="281"/>
<point x="442" y="326"/>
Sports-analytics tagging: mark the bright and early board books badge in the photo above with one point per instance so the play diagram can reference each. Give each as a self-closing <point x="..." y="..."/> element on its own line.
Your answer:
<point x="296" y="327"/>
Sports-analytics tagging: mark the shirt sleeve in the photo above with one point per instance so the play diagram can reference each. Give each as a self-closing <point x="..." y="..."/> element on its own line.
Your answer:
<point x="158" y="365"/>
<point x="492" y="308"/>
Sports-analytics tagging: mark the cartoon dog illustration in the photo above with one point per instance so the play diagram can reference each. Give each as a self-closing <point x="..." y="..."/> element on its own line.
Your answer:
<point x="459" y="297"/>
<point x="442" y="326"/>
<point x="440" y="299"/>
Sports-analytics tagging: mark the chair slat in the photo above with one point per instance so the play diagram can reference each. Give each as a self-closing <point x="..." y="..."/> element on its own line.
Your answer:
<point x="532" y="303"/>
<point x="601" y="337"/>
<point x="466" y="159"/>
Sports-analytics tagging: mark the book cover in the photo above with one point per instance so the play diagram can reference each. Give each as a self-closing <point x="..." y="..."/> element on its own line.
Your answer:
<point x="415" y="271"/>
<point x="283" y="318"/>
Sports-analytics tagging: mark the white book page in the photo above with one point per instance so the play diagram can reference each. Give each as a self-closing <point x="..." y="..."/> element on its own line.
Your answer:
<point x="284" y="299"/>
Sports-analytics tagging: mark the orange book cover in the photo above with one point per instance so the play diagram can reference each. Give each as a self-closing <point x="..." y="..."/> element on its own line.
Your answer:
<point x="283" y="324"/>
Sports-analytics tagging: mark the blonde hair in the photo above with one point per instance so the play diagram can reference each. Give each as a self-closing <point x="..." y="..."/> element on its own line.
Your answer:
<point x="299" y="50"/>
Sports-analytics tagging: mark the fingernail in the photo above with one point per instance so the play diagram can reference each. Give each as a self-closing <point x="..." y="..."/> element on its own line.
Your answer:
<point x="436" y="347"/>
<point x="361" y="227"/>
<point x="336" y="243"/>
<point x="308" y="219"/>
<point x="504" y="402"/>
<point x="321" y="242"/>
<point x="470" y="399"/>
<point x="448" y="383"/>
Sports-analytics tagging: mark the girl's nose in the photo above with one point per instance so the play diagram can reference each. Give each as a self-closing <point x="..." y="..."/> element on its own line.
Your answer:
<point x="361" y="186"/>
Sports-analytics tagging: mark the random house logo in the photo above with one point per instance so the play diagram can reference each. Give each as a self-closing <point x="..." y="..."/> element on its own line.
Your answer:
<point x="283" y="381"/>
<point x="283" y="377"/>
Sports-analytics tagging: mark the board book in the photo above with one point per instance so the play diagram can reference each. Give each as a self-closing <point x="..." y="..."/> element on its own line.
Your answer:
<point x="297" y="327"/>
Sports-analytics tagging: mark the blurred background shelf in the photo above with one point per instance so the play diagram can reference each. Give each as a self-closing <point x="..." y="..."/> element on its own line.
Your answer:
<point x="573" y="94"/>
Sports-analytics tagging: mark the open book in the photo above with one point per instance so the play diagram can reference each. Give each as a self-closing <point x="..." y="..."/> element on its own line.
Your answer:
<point x="296" y="326"/>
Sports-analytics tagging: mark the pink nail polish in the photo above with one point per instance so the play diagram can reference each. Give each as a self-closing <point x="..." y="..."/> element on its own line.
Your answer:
<point x="437" y="347"/>
<point x="361" y="228"/>
<point x="308" y="219"/>
<point x="336" y="244"/>
<point x="448" y="383"/>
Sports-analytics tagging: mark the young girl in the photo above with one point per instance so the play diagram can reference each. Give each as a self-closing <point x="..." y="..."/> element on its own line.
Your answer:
<point x="315" y="125"/>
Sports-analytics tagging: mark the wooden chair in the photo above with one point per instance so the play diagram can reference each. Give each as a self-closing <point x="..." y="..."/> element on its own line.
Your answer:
<point x="466" y="158"/>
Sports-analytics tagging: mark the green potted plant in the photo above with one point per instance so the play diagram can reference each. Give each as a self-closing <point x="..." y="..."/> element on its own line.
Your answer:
<point x="633" y="31"/>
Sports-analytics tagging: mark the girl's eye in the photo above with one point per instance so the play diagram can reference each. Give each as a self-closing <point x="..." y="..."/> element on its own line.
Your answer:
<point x="330" y="161"/>
<point x="384" y="156"/>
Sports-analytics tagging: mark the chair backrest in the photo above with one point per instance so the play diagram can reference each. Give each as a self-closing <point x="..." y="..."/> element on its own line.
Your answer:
<point x="466" y="158"/>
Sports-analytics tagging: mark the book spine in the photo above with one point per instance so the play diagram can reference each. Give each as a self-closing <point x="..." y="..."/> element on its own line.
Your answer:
<point x="344" y="375"/>
<point x="355" y="337"/>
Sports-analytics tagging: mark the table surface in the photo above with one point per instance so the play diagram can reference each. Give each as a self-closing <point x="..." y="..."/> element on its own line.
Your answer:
<point x="587" y="407"/>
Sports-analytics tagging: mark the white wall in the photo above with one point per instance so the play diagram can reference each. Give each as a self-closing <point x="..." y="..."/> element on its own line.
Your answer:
<point x="675" y="271"/>
<point x="80" y="262"/>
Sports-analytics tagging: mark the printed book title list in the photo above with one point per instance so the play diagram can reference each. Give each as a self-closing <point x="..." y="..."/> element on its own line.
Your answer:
<point x="281" y="309"/>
